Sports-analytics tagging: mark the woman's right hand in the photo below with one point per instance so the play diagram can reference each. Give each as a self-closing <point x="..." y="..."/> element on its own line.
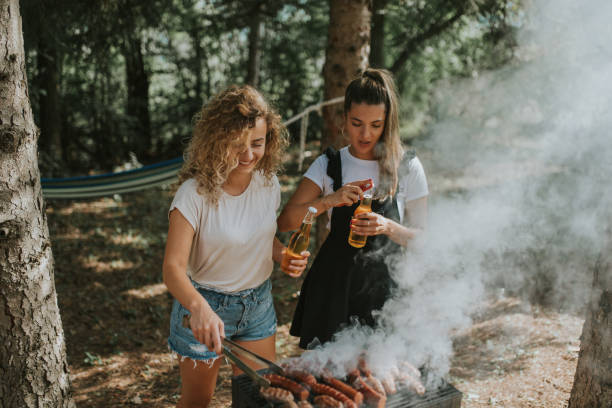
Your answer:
<point x="349" y="193"/>
<point x="207" y="327"/>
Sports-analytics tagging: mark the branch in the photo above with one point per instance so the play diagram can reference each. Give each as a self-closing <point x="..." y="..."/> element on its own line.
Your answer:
<point x="414" y="43"/>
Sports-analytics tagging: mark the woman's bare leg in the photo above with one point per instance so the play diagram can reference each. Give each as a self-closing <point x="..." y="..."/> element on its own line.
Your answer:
<point x="264" y="347"/>
<point x="198" y="383"/>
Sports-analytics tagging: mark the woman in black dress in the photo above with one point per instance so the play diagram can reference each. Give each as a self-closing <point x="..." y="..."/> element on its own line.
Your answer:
<point x="347" y="283"/>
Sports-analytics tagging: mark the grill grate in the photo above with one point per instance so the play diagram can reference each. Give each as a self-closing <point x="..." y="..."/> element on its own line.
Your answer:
<point x="245" y="394"/>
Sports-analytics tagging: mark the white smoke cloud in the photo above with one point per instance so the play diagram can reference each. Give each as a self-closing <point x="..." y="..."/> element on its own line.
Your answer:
<point x="527" y="152"/>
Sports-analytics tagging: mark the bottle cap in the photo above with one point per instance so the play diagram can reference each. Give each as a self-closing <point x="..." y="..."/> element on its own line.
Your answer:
<point x="312" y="210"/>
<point x="367" y="186"/>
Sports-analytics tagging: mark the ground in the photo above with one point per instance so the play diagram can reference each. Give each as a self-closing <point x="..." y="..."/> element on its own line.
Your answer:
<point x="115" y="312"/>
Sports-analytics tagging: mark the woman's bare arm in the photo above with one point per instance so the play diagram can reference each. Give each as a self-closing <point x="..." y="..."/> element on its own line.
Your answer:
<point x="415" y="221"/>
<point x="308" y="194"/>
<point x="207" y="327"/>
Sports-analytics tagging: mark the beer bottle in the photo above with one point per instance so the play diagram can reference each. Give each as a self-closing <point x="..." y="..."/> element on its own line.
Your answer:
<point x="357" y="240"/>
<point x="299" y="240"/>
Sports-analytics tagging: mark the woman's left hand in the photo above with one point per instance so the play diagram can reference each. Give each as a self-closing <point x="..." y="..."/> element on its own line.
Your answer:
<point x="297" y="266"/>
<point x="369" y="223"/>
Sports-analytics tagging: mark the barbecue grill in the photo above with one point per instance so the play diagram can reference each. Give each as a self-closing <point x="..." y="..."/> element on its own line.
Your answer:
<point x="245" y="394"/>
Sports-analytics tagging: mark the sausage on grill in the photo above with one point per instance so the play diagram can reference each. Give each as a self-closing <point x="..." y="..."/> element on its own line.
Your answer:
<point x="353" y="375"/>
<point x="412" y="370"/>
<point x="304" y="404"/>
<point x="376" y="384"/>
<point x="302" y="376"/>
<point x="325" y="401"/>
<point x="351" y="392"/>
<point x="413" y="384"/>
<point x="363" y="367"/>
<point x="274" y="394"/>
<point x="296" y="389"/>
<point x="370" y="396"/>
<point x="336" y="394"/>
<point x="388" y="384"/>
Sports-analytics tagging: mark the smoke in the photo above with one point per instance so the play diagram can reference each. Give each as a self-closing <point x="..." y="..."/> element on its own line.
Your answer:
<point x="520" y="170"/>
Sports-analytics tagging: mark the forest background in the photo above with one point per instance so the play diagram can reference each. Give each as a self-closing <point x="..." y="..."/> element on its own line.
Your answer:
<point x="115" y="85"/>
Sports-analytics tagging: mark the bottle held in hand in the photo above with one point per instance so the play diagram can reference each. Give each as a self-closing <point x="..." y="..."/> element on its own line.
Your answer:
<point x="299" y="240"/>
<point x="357" y="240"/>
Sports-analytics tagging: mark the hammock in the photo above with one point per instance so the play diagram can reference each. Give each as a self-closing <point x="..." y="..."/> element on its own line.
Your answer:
<point x="113" y="183"/>
<point x="148" y="176"/>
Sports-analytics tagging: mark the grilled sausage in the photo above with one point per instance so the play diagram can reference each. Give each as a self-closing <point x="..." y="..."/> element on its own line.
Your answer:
<point x="353" y="375"/>
<point x="304" y="404"/>
<point x="302" y="376"/>
<point x="376" y="384"/>
<point x="410" y="369"/>
<point x="388" y="384"/>
<point x="363" y="367"/>
<point x="296" y="389"/>
<point x="370" y="396"/>
<point x="274" y="394"/>
<point x="325" y="401"/>
<point x="290" y="404"/>
<point x="336" y="394"/>
<point x="414" y="384"/>
<point x="351" y="392"/>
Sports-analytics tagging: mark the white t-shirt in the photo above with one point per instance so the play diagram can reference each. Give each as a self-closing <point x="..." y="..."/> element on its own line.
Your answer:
<point x="232" y="246"/>
<point x="411" y="186"/>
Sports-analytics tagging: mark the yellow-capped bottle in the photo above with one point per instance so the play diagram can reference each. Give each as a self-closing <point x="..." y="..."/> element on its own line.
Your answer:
<point x="299" y="240"/>
<point x="357" y="240"/>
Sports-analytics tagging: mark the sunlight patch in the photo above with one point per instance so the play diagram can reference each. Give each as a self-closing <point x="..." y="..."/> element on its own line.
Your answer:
<point x="146" y="291"/>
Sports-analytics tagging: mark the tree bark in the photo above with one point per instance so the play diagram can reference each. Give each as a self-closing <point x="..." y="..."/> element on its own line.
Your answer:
<point x="256" y="28"/>
<point x="196" y="39"/>
<point x="347" y="54"/>
<point x="593" y="379"/>
<point x="377" y="42"/>
<point x="138" y="94"/>
<point x="32" y="353"/>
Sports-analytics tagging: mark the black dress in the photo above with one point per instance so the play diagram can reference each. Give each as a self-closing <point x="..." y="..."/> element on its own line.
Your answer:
<point x="344" y="282"/>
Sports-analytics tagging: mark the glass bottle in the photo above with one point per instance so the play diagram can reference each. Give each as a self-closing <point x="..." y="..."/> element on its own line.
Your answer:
<point x="357" y="240"/>
<point x="299" y="240"/>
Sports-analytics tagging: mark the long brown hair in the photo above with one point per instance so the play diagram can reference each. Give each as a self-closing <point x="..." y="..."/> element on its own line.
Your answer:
<point x="222" y="126"/>
<point x="374" y="87"/>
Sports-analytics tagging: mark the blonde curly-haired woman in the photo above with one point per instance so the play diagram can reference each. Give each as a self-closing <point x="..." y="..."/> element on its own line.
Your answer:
<point x="221" y="238"/>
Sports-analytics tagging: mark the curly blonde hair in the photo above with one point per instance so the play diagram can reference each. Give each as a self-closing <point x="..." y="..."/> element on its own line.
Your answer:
<point x="223" y="126"/>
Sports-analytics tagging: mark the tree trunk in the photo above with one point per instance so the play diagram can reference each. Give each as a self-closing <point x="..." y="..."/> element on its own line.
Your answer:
<point x="32" y="353"/>
<point x="377" y="43"/>
<point x="137" y="95"/>
<point x="593" y="380"/>
<point x="196" y="38"/>
<point x="50" y="119"/>
<point x="256" y="27"/>
<point x="348" y="49"/>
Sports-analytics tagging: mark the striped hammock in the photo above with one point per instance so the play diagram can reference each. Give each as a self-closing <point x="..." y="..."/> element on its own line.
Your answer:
<point x="148" y="176"/>
<point x="112" y="183"/>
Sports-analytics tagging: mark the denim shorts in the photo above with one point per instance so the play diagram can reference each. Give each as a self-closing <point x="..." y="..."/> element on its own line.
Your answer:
<point x="247" y="315"/>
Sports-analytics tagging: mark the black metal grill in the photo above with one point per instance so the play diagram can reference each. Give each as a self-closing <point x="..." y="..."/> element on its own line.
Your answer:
<point x="245" y="394"/>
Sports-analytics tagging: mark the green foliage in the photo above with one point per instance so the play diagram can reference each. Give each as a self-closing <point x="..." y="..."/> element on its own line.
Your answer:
<point x="171" y="56"/>
<point x="482" y="37"/>
<point x="92" y="359"/>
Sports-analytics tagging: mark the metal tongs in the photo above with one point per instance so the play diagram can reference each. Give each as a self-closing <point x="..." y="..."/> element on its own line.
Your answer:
<point x="230" y="349"/>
